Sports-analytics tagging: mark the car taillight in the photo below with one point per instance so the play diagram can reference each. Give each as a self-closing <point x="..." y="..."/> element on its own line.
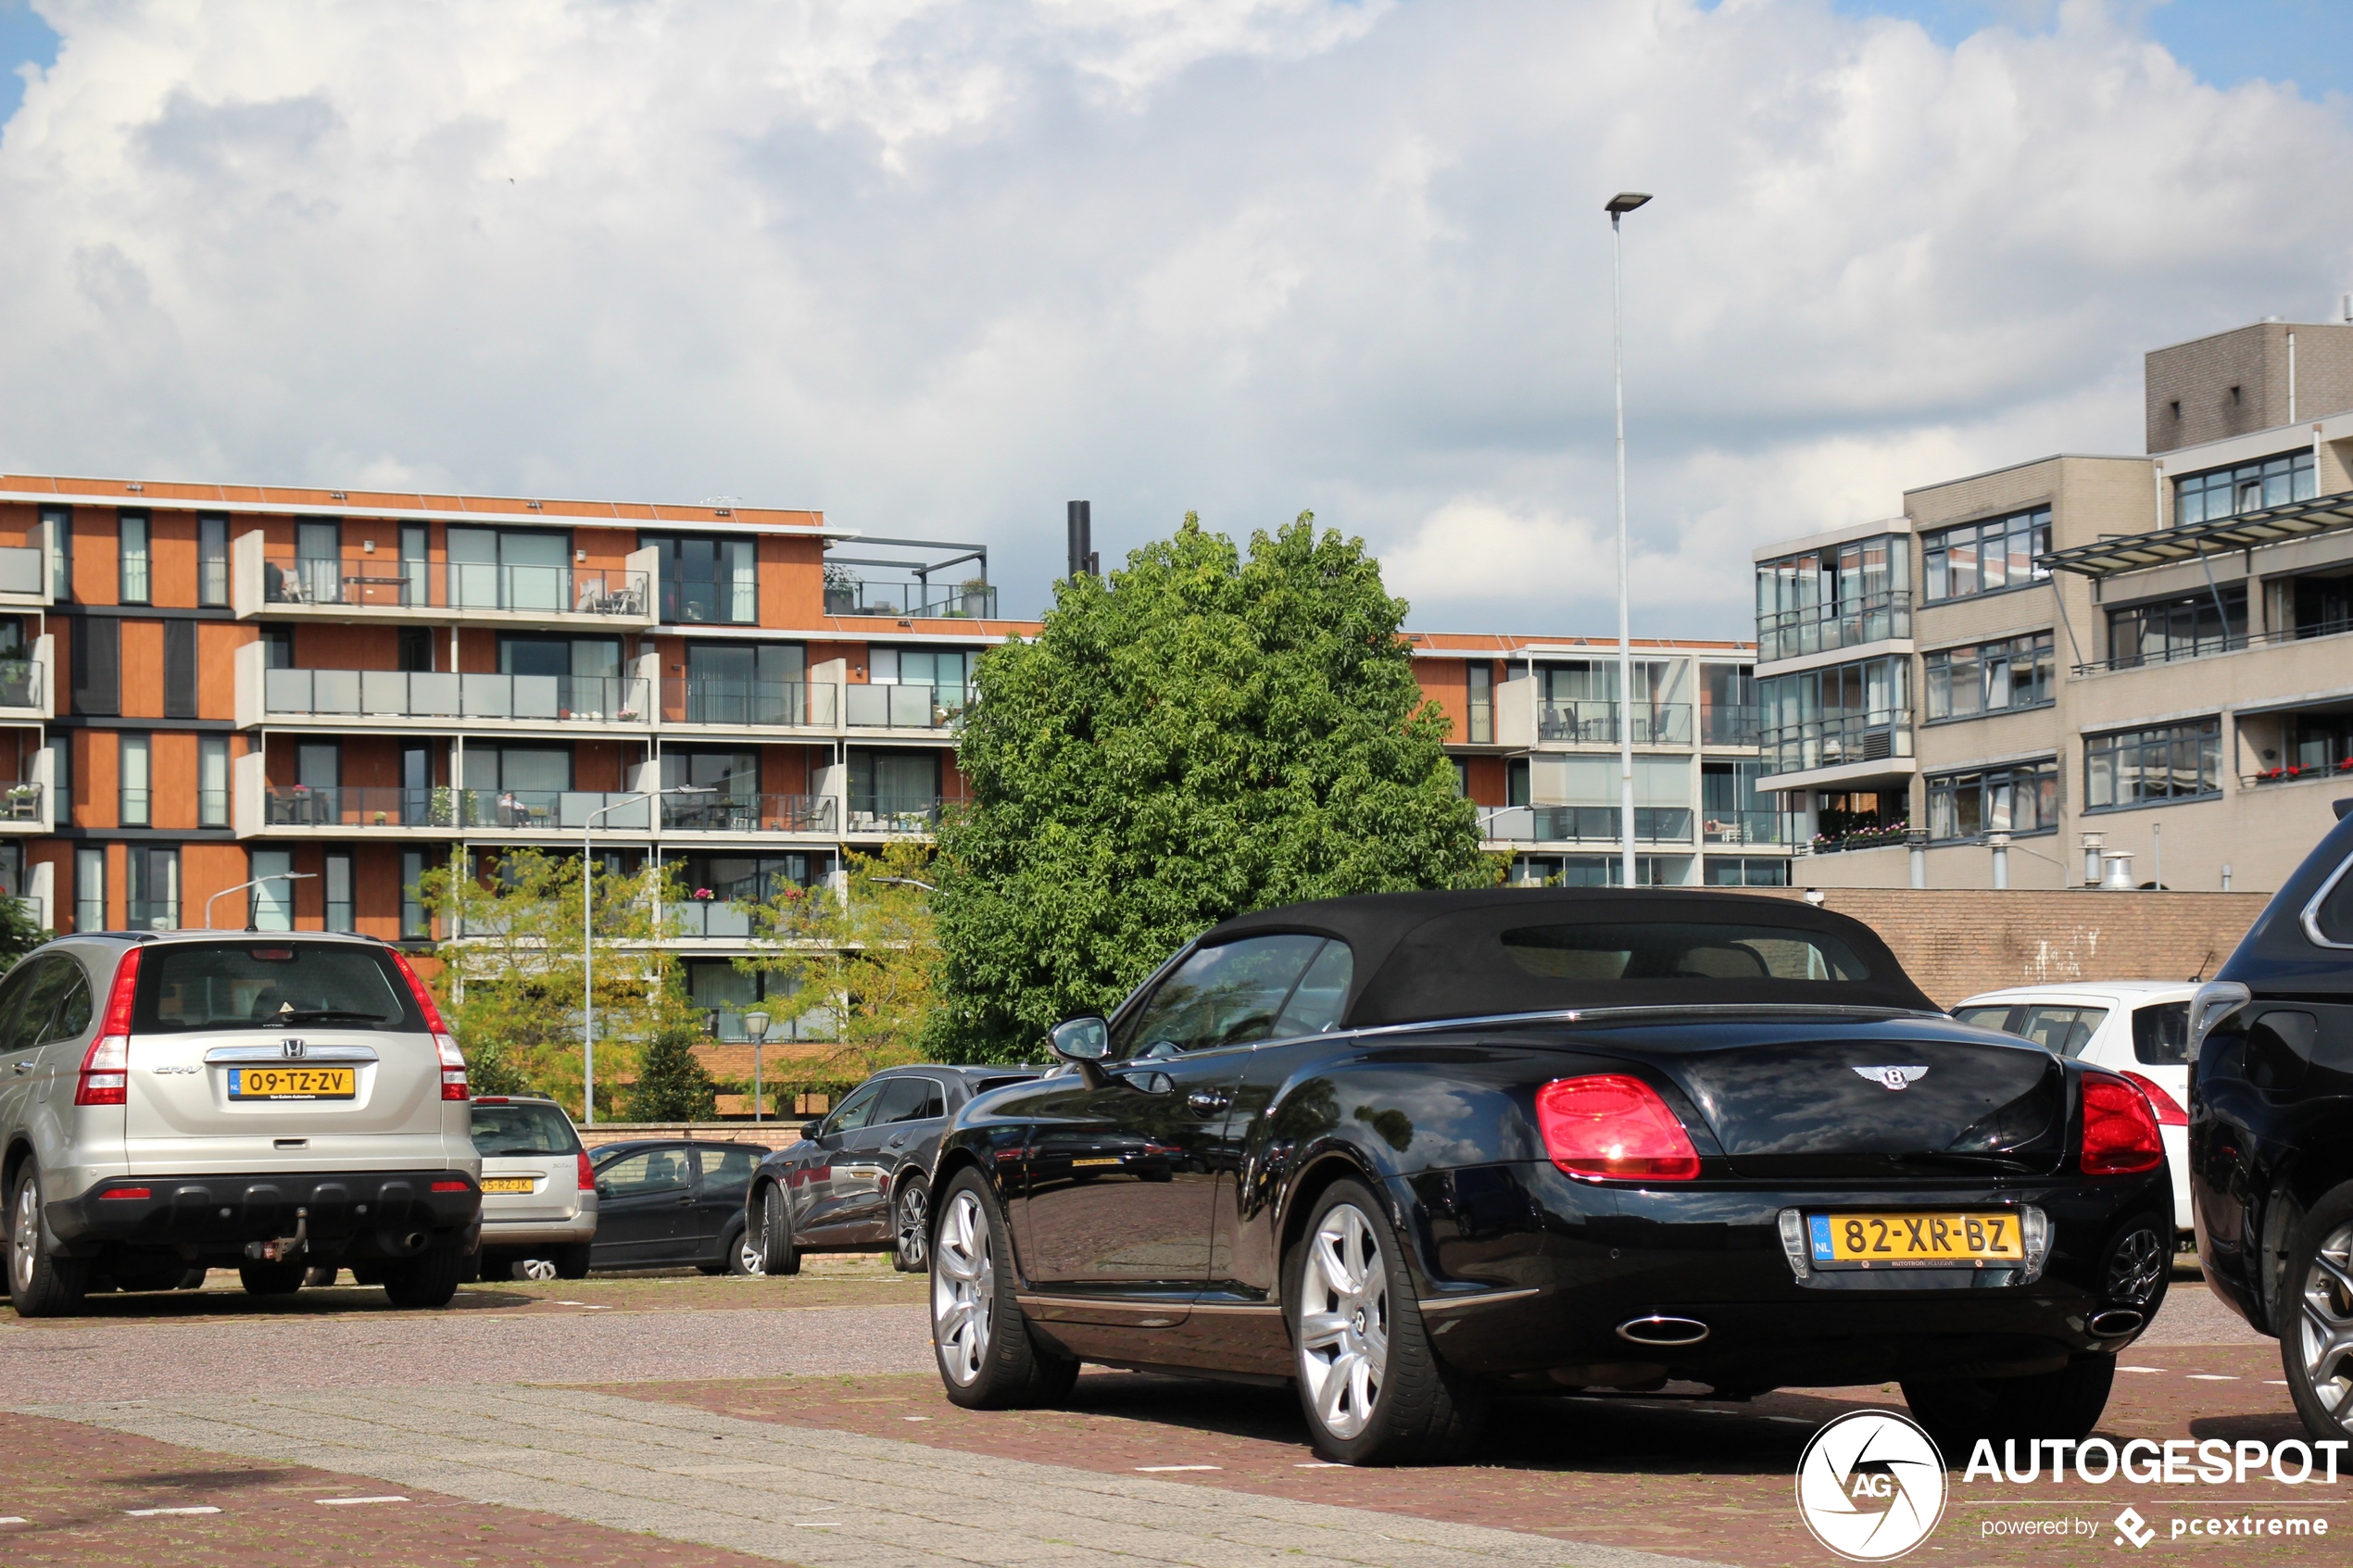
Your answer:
<point x="1612" y="1127"/>
<point x="106" y="1066"/>
<point x="453" y="1067"/>
<point x="417" y="989"/>
<point x="587" y="1177"/>
<point x="2119" y="1128"/>
<point x="451" y="1187"/>
<point x="126" y="1192"/>
<point x="2168" y="1110"/>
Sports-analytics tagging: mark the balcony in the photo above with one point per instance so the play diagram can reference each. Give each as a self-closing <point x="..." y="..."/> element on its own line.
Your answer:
<point x="751" y="705"/>
<point x="2209" y="646"/>
<point x="817" y="1024"/>
<point x="24" y="577"/>
<point x="1595" y="722"/>
<point x="1742" y="827"/>
<point x="24" y="809"/>
<point x="1728" y="726"/>
<point x="442" y="810"/>
<point x="361" y="586"/>
<point x="718" y="814"/>
<point x="1850" y="622"/>
<point x="902" y="708"/>
<point x="25" y="688"/>
<point x="914" y="601"/>
<point x="1588" y="824"/>
<point x="436" y="699"/>
<point x="893" y="815"/>
<point x="707" y="920"/>
<point x="1884" y="737"/>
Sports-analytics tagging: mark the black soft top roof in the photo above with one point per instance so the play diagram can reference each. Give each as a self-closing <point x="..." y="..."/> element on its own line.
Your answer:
<point x="1427" y="955"/>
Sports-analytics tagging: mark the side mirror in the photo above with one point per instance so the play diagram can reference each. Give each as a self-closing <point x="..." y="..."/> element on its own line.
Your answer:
<point x="604" y="1189"/>
<point x="1080" y="1040"/>
<point x="811" y="1129"/>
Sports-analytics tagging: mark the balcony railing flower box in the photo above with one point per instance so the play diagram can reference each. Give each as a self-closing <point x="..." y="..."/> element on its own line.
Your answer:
<point x="21" y="803"/>
<point x="2291" y="772"/>
<point x="1859" y="839"/>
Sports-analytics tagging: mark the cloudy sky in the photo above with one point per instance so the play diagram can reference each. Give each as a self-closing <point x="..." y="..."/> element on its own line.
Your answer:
<point x="938" y="268"/>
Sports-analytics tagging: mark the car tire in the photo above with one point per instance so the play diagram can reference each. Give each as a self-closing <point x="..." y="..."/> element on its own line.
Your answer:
<point x="320" y="1277"/>
<point x="1958" y="1411"/>
<point x="194" y="1278"/>
<point x="41" y="1284"/>
<point x="910" y="1228"/>
<point x="572" y="1261"/>
<point x="981" y="1338"/>
<point x="273" y="1279"/>
<point x="429" y="1280"/>
<point x="2316" y="1350"/>
<point x="746" y="1258"/>
<point x="1370" y="1382"/>
<point x="778" y="1255"/>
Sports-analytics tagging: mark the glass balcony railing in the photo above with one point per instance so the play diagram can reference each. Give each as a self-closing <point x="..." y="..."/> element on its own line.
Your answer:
<point x="394" y="694"/>
<point x="781" y="704"/>
<point x="1846" y="623"/>
<point x="379" y="582"/>
<point x="707" y="918"/>
<point x="1742" y="827"/>
<point x="371" y="805"/>
<point x="719" y="812"/>
<point x="913" y="600"/>
<point x="21" y="682"/>
<point x="894" y="814"/>
<point x="902" y="708"/>
<point x="1728" y="726"/>
<point x="1834" y="743"/>
<point x="727" y="1027"/>
<point x="1588" y="824"/>
<point x="1589" y="721"/>
<point x="24" y="571"/>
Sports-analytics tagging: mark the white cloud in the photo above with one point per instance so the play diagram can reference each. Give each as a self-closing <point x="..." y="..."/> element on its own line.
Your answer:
<point x="940" y="267"/>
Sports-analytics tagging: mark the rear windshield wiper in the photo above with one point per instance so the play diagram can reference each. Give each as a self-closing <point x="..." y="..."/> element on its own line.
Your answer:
<point x="325" y="1015"/>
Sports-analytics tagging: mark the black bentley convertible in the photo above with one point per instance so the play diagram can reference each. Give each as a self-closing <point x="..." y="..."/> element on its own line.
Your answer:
<point x="1412" y="1150"/>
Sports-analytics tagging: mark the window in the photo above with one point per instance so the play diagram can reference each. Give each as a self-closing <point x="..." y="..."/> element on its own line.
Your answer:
<point x="1747" y="870"/>
<point x="522" y="1127"/>
<point x="1846" y="594"/>
<point x="1578" y="702"/>
<point x="134" y="543"/>
<point x="509" y="569"/>
<point x="1844" y="713"/>
<point x="893" y="783"/>
<point x="57" y="527"/>
<point x="1321" y="994"/>
<point x="270" y="900"/>
<point x="416" y="572"/>
<point x="97" y="665"/>
<point x="538" y="769"/>
<point x="1516" y="787"/>
<point x="416" y="650"/>
<point x="1222" y="996"/>
<point x="212" y="559"/>
<point x="2250" y="487"/>
<point x="946" y="672"/>
<point x="910" y="1099"/>
<point x="2062" y="1031"/>
<point x="2021" y="798"/>
<point x="745" y="683"/>
<point x="2162" y="1035"/>
<point x="1730" y="810"/>
<point x="1461" y="778"/>
<point x="319" y="561"/>
<point x="728" y="775"/>
<point x="277" y="647"/>
<point x="2170" y="762"/>
<point x="2188" y="627"/>
<point x="319" y="765"/>
<point x="585" y="671"/>
<point x="1981" y="558"/>
<point x="726" y="1168"/>
<point x="1727" y="704"/>
<point x="707" y="580"/>
<point x="60" y="750"/>
<point x="180" y="669"/>
<point x="338" y="889"/>
<point x="415" y="919"/>
<point x="135" y="778"/>
<point x="1681" y="950"/>
<point x="90" y="890"/>
<point x="1990" y="677"/>
<point x="1481" y="696"/>
<point x="1592" y="870"/>
<point x="645" y="1172"/>
<point x="154" y="889"/>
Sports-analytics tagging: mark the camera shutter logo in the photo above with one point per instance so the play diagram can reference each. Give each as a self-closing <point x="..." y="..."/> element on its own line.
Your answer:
<point x="1870" y="1485"/>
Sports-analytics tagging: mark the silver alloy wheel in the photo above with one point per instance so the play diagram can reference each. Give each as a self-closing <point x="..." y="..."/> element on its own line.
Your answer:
<point x="24" y="1238"/>
<point x="1343" y="1321"/>
<point x="751" y="1254"/>
<point x="964" y="1289"/>
<point x="914" y="1225"/>
<point x="2139" y="1264"/>
<point x="2326" y="1336"/>
<point x="540" y="1269"/>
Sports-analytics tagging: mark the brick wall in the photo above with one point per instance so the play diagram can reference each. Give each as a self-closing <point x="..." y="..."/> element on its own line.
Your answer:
<point x="775" y="1135"/>
<point x="1958" y="942"/>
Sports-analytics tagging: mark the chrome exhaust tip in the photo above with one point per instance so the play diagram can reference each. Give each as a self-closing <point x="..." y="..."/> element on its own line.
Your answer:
<point x="2116" y="1321"/>
<point x="1657" y="1330"/>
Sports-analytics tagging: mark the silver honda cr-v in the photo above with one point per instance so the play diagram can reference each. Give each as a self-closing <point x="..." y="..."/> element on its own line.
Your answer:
<point x="267" y="1102"/>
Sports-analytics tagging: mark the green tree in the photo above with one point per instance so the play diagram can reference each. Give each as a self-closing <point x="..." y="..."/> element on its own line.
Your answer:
<point x="20" y="934"/>
<point x="672" y="1085"/>
<point x="1204" y="735"/>
<point x="867" y="957"/>
<point x="510" y="978"/>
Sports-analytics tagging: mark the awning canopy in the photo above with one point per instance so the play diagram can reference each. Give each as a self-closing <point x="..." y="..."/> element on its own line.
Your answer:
<point x="2163" y="546"/>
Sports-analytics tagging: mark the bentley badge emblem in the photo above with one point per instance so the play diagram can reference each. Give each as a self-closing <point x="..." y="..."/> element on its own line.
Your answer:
<point x="294" y="1050"/>
<point x="1893" y="1077"/>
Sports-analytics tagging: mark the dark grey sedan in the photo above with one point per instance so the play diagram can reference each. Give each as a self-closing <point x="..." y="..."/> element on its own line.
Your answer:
<point x="860" y="1178"/>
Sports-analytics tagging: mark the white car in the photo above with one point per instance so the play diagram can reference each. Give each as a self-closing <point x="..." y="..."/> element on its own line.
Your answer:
<point x="2140" y="1028"/>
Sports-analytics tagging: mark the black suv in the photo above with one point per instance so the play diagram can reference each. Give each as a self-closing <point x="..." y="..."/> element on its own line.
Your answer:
<point x="2271" y="1130"/>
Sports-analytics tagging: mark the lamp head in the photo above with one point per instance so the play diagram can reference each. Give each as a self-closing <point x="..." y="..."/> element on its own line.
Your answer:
<point x="756" y="1025"/>
<point x="1626" y="201"/>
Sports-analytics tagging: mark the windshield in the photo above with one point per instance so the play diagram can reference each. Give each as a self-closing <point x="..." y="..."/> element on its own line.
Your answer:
<point x="186" y="986"/>
<point x="522" y="1127"/>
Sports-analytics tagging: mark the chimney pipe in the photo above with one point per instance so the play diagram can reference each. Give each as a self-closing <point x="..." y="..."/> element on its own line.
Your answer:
<point x="1082" y="547"/>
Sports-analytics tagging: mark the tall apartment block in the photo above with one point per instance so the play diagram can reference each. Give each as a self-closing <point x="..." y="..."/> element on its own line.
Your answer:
<point x="2035" y="669"/>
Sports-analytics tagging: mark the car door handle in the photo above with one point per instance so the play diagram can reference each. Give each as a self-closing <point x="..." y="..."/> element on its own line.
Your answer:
<point x="682" y="1202"/>
<point x="1209" y="1102"/>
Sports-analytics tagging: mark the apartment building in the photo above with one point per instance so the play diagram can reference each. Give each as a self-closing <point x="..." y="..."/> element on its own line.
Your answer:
<point x="2031" y="671"/>
<point x="1535" y="741"/>
<point x="207" y="684"/>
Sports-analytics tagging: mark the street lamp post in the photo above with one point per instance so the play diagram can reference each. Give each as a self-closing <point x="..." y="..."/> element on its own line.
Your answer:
<point x="756" y="1025"/>
<point x="1617" y="206"/>
<point x="273" y="876"/>
<point x="588" y="942"/>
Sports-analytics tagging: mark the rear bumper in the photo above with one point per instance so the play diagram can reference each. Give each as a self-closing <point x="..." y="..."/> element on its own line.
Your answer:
<point x="538" y="1233"/>
<point x="390" y="1213"/>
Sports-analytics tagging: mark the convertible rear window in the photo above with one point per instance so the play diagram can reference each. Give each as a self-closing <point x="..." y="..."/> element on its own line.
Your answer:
<point x="187" y="986"/>
<point x="1680" y="951"/>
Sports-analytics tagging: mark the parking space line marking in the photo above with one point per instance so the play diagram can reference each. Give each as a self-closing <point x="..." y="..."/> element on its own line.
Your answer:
<point x="2211" y="1377"/>
<point x="816" y="1524"/>
<point x="1319" y="1464"/>
<point x="14" y="1519"/>
<point x="352" y="1502"/>
<point x="160" y="1513"/>
<point x="2274" y="1383"/>
<point x="1163" y="1469"/>
<point x="2140" y="1369"/>
<point x="914" y="1418"/>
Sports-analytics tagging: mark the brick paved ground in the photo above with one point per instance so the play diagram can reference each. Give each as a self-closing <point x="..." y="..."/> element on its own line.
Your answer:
<point x="74" y="1486"/>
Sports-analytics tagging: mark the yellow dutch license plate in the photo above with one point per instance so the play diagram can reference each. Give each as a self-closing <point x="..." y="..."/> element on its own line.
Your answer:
<point x="506" y="1184"/>
<point x="1915" y="1240"/>
<point x="293" y="1083"/>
